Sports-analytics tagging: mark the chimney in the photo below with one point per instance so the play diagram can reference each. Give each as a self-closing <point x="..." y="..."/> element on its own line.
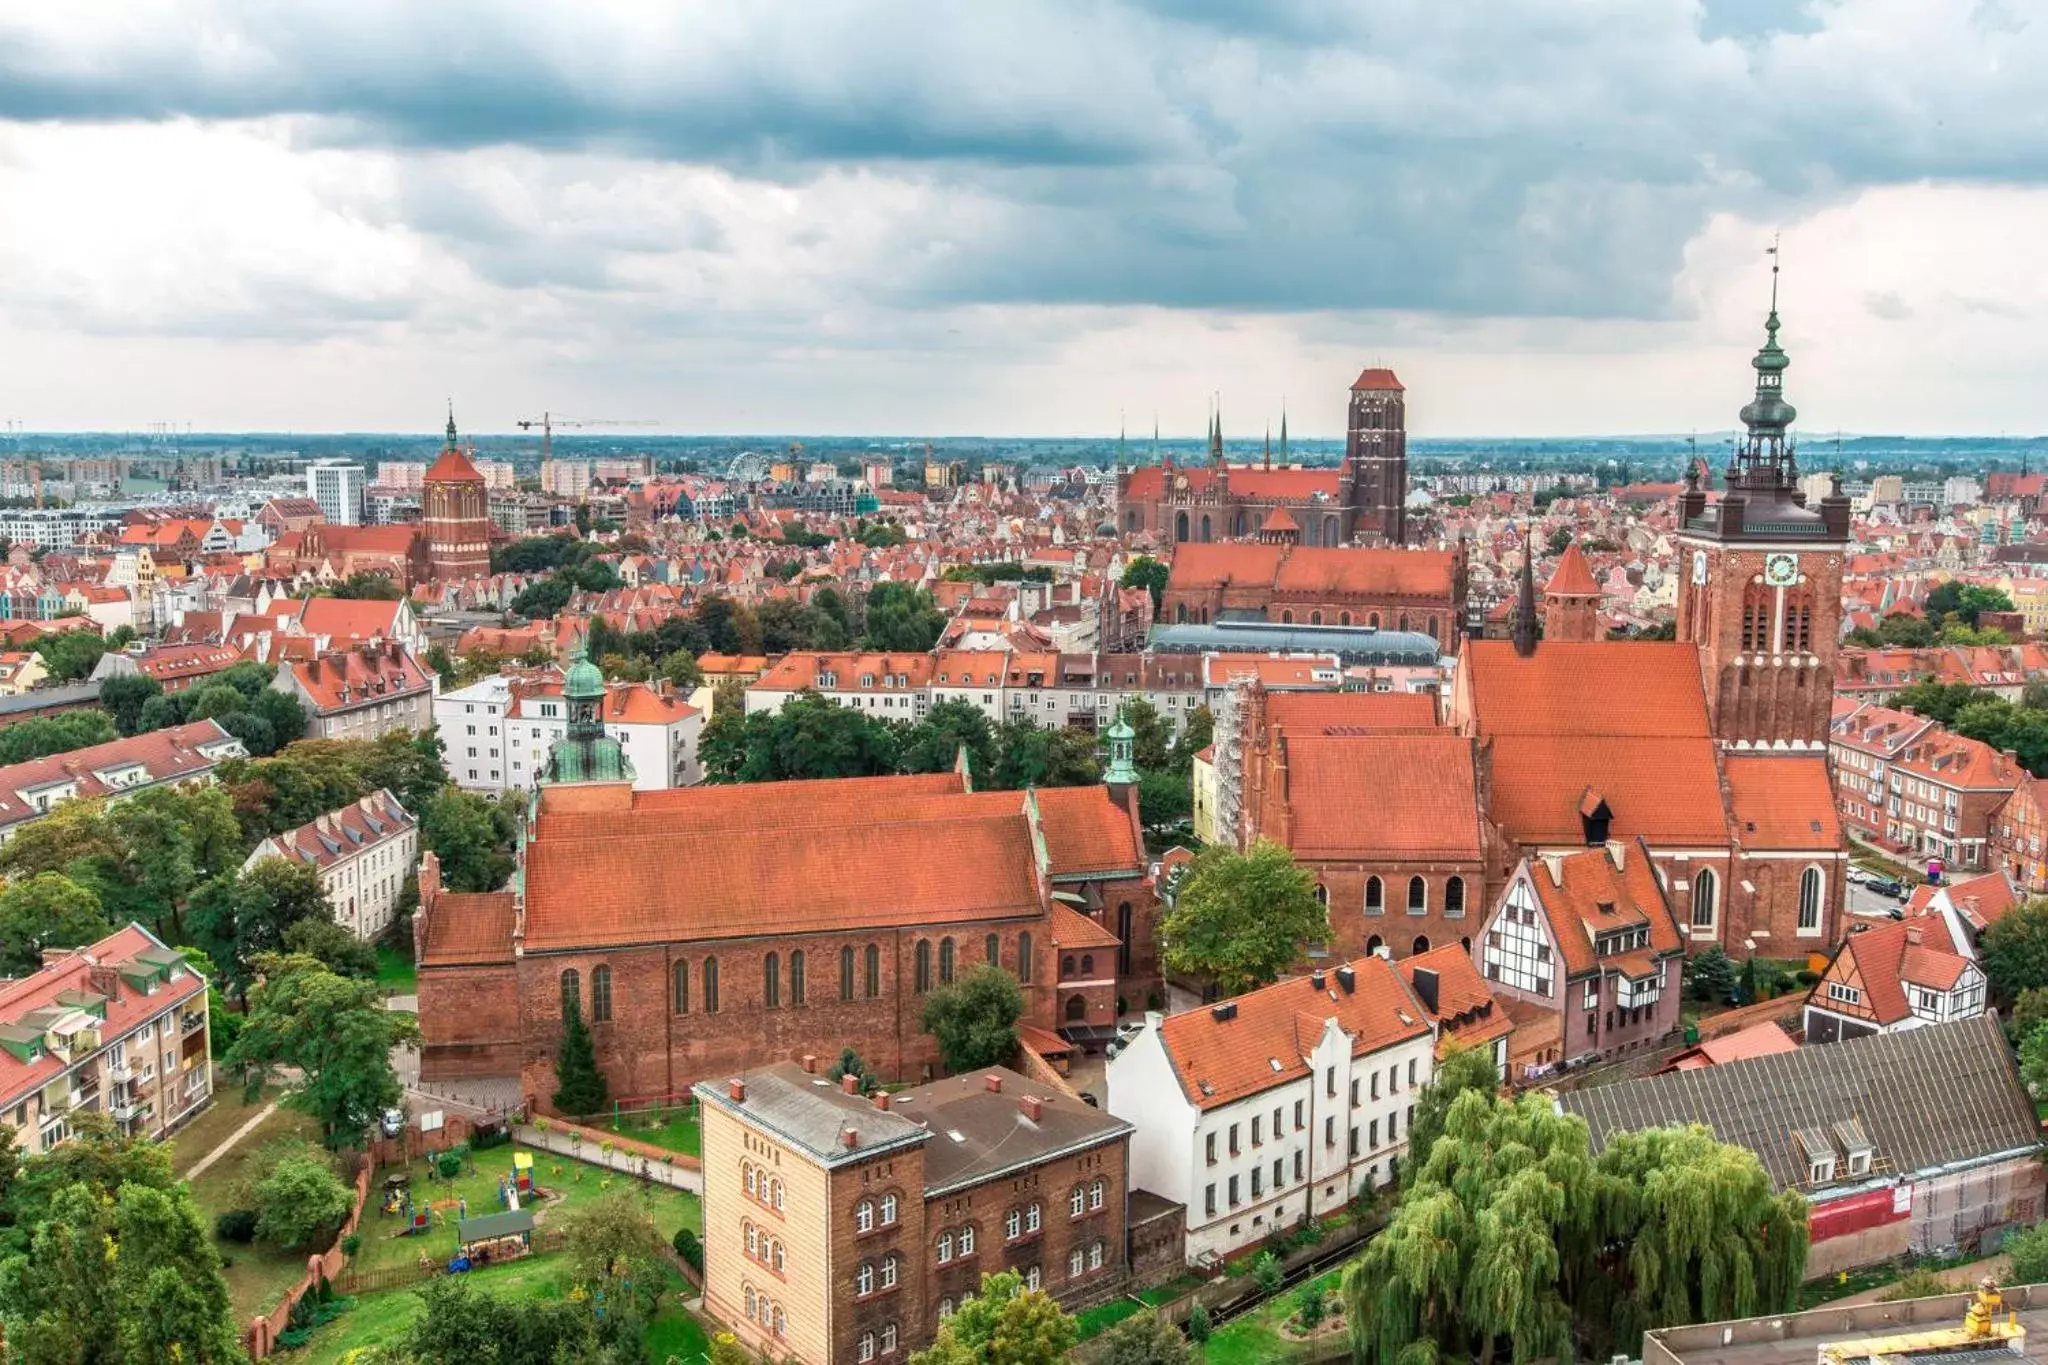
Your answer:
<point x="736" y="1090"/>
<point x="809" y="1062"/>
<point x="1033" y="1107"/>
<point x="1425" y="987"/>
<point x="1913" y="937"/>
<point x="993" y="1083"/>
<point x="850" y="1083"/>
<point x="1347" y="978"/>
<point x="883" y="1100"/>
<point x="1316" y="979"/>
<point x="849" y="1138"/>
<point x="1224" y="1012"/>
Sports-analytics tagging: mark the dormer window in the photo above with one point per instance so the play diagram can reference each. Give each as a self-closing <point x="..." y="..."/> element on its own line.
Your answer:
<point x="1822" y="1171"/>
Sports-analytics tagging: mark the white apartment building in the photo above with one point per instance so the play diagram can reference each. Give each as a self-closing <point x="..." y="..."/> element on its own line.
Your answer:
<point x="495" y="734"/>
<point x="338" y="487"/>
<point x="119" y="1027"/>
<point x="893" y="686"/>
<point x="471" y="723"/>
<point x="655" y="726"/>
<point x="565" y="478"/>
<point x="363" y="852"/>
<point x="1254" y="1117"/>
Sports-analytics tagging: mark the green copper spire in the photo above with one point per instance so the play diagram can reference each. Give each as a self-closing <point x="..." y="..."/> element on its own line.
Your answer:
<point x="585" y="753"/>
<point x="1122" y="770"/>
<point x="451" y="424"/>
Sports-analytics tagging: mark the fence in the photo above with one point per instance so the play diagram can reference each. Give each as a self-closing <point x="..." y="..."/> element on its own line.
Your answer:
<point x="261" y="1337"/>
<point x="614" y="1152"/>
<point x="400" y="1276"/>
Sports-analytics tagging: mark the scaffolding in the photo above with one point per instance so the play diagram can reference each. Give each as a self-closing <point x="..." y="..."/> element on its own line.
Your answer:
<point x="1229" y="741"/>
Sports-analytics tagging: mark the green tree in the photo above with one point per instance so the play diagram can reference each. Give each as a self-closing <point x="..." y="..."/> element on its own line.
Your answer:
<point x="579" y="1086"/>
<point x="49" y="910"/>
<point x="850" y="1064"/>
<point x="472" y="836"/>
<point x="1462" y="1069"/>
<point x="1004" y="1324"/>
<point x="72" y="654"/>
<point x="462" y="1325"/>
<point x="2029" y="1008"/>
<point x="299" y="1200"/>
<point x="1936" y="700"/>
<point x="901" y="619"/>
<point x="174" y="839"/>
<point x="1241" y="919"/>
<point x="240" y="917"/>
<point x="335" y="1032"/>
<point x="1903" y="630"/>
<point x="42" y="736"/>
<point x="1513" y="1237"/>
<point x="808" y="737"/>
<point x="2015" y="950"/>
<point x="612" y="1245"/>
<point x="1143" y="1339"/>
<point x="369" y="587"/>
<point x="1031" y="755"/>
<point x="1147" y="573"/>
<point x="1165" y="799"/>
<point x="933" y="744"/>
<point x="1195" y="736"/>
<point x="335" y="947"/>
<point x="2029" y="1253"/>
<point x="974" y="1020"/>
<point x="1198" y="1323"/>
<point x="1710" y="975"/>
<point x="543" y="599"/>
<point x="123" y="697"/>
<point x="1152" y="737"/>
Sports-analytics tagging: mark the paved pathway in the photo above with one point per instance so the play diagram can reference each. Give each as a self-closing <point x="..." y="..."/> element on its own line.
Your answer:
<point x="217" y="1153"/>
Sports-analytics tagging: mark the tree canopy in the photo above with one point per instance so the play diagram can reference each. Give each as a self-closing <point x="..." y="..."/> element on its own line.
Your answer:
<point x="2015" y="950"/>
<point x="1241" y="919"/>
<point x="336" y="1034"/>
<point x="1003" y="1324"/>
<point x="1147" y="573"/>
<point x="1512" y="1238"/>
<point x="974" y="1019"/>
<point x="49" y="910"/>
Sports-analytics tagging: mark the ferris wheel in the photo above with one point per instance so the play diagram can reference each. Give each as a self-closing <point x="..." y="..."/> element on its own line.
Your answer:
<point x="749" y="466"/>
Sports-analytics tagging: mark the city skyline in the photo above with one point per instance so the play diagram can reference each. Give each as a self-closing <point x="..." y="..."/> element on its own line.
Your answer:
<point x="1018" y="223"/>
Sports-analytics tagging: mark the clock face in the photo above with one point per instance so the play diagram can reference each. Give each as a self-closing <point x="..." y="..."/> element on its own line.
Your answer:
<point x="1781" y="571"/>
<point x="1699" y="566"/>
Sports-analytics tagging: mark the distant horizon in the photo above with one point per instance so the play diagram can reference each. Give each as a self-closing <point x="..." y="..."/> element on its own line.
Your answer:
<point x="11" y="441"/>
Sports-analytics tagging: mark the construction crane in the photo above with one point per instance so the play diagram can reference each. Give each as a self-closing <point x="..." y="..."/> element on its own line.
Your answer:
<point x="547" y="422"/>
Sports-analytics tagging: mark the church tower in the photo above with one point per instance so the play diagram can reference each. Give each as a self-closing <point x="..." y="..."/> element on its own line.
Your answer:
<point x="1374" y="476"/>
<point x="1760" y="591"/>
<point x="585" y="753"/>
<point x="456" y="514"/>
<point x="1571" y="602"/>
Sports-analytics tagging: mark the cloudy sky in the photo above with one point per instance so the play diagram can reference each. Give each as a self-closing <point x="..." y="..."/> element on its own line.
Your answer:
<point x="1020" y="218"/>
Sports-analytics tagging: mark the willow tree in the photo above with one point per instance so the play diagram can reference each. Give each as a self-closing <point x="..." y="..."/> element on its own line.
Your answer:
<point x="1690" y="1231"/>
<point x="1513" y="1239"/>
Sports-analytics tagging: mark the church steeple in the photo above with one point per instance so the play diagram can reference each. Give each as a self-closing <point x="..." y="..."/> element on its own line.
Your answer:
<point x="1269" y="445"/>
<point x="1216" y="434"/>
<point x="1766" y="451"/>
<point x="1525" y="600"/>
<point x="451" y="424"/>
<point x="1283" y="431"/>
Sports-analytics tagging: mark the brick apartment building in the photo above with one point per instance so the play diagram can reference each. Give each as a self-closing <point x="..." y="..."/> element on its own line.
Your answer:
<point x="1864" y="740"/>
<point x="2019" y="836"/>
<point x="119" y="1027"/>
<point x="1943" y="792"/>
<point x="843" y="1229"/>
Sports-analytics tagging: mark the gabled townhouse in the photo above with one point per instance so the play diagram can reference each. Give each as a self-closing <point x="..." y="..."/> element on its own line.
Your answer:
<point x="1969" y="905"/>
<point x="892" y="686"/>
<point x="1889" y="978"/>
<point x="1864" y="740"/>
<point x="363" y="853"/>
<point x="118" y="1027"/>
<point x="1467" y="1015"/>
<point x="1279" y="1105"/>
<point x="1942" y="792"/>
<point x="2019" y="835"/>
<point x="1589" y="936"/>
<point x="361" y="693"/>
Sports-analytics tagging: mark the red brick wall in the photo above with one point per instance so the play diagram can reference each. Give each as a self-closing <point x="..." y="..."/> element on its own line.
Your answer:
<point x="647" y="1048"/>
<point x="470" y="1016"/>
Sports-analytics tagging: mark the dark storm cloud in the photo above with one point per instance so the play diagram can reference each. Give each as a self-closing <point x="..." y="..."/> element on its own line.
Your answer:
<point x="1482" y="157"/>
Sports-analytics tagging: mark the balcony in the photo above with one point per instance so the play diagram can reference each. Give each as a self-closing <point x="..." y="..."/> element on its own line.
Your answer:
<point x="121" y="1072"/>
<point x="191" y="1024"/>
<point x="125" y="1111"/>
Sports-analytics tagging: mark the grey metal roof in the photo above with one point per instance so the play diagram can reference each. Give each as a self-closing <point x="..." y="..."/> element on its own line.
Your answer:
<point x="1924" y="1098"/>
<point x="69" y="694"/>
<point x="485" y="1226"/>
<point x="1352" y="644"/>
<point x="978" y="1134"/>
<point x="813" y="1113"/>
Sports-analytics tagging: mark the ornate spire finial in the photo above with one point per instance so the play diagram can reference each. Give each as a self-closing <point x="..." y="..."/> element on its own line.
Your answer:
<point x="1283" y="428"/>
<point x="451" y="424"/>
<point x="1269" y="445"/>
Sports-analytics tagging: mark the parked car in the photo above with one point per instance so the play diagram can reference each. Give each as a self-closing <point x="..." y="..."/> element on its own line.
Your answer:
<point x="394" y="1122"/>
<point x="1858" y="876"/>
<point x="1888" y="886"/>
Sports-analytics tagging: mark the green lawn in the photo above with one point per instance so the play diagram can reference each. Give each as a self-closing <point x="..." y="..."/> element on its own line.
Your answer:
<point x="257" y="1273"/>
<point x="674" y="1130"/>
<point x="1257" y="1336"/>
<point x="396" y="973"/>
<point x="381" y="1318"/>
<point x="567" y="1181"/>
<point x="1093" y="1322"/>
<point x="215" y="1124"/>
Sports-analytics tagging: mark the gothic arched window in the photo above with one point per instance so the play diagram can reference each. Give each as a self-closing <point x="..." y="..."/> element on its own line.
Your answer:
<point x="771" y="980"/>
<point x="711" y="985"/>
<point x="682" y="987"/>
<point x="796" y="977"/>
<point x="945" y="961"/>
<point x="873" y="971"/>
<point x="846" y="972"/>
<point x="600" y="995"/>
<point x="572" y="991"/>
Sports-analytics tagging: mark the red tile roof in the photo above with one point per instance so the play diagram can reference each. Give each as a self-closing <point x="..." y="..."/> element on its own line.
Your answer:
<point x="1218" y="1061"/>
<point x="169" y="755"/>
<point x="1573" y="577"/>
<point x="1783" y="801"/>
<point x="1889" y="957"/>
<point x="1584" y="895"/>
<point x="1412" y="796"/>
<point x="468" y="929"/>
<point x="126" y="1006"/>
<point x="357" y="677"/>
<point x="1666" y="790"/>
<point x="1758" y="1040"/>
<point x="1603" y="687"/>
<point x="1465" y="1008"/>
<point x="340" y="833"/>
<point x="347" y="619"/>
<point x="1350" y="712"/>
<point x="1071" y="929"/>
<point x="1376" y="379"/>
<point x="453" y="467"/>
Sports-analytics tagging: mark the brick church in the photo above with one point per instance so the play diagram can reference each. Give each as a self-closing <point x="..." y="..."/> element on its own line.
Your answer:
<point x="701" y="929"/>
<point x="1711" y="749"/>
<point x="1362" y="501"/>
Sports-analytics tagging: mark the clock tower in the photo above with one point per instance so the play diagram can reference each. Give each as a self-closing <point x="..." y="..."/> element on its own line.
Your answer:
<point x="1760" y="578"/>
